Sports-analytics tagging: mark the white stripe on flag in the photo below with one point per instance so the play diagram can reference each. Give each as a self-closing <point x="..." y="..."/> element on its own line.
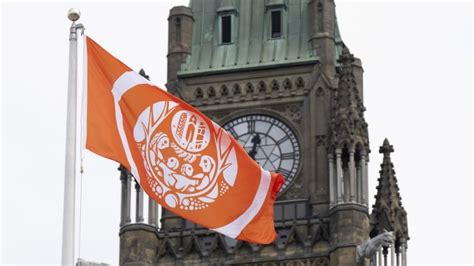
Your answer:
<point x="125" y="82"/>
<point x="234" y="228"/>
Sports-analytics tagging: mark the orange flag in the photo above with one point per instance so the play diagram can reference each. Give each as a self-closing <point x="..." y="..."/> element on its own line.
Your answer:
<point x="183" y="160"/>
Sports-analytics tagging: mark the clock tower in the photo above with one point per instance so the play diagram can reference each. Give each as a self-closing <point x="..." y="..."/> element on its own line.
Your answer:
<point x="277" y="76"/>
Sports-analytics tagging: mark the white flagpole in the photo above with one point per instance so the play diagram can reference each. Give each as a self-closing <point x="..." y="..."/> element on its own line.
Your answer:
<point x="67" y="257"/>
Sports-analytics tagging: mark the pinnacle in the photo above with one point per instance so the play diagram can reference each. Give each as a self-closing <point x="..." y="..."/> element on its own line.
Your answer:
<point x="386" y="148"/>
<point x="388" y="199"/>
<point x="345" y="50"/>
<point x="346" y="57"/>
<point x="348" y="121"/>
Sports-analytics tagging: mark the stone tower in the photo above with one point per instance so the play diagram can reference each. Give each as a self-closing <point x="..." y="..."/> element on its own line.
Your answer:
<point x="277" y="76"/>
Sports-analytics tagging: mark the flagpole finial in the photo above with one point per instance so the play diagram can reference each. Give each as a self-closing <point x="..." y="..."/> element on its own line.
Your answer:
<point x="73" y="14"/>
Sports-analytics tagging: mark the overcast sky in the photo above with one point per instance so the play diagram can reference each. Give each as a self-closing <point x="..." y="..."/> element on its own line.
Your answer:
<point x="417" y="59"/>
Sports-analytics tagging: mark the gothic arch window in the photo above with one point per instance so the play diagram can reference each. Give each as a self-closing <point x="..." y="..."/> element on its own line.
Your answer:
<point x="299" y="83"/>
<point x="319" y="92"/>
<point x="262" y="87"/>
<point x="274" y="85"/>
<point x="236" y="90"/>
<point x="345" y="156"/>
<point x="360" y="172"/>
<point x="287" y="84"/>
<point x="211" y="92"/>
<point x="224" y="90"/>
<point x="249" y="88"/>
<point x="345" y="172"/>
<point x="198" y="93"/>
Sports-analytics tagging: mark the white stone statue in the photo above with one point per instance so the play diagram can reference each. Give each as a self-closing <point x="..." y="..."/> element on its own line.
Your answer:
<point x="370" y="247"/>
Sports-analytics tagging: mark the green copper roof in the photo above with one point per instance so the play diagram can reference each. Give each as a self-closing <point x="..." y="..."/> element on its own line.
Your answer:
<point x="252" y="45"/>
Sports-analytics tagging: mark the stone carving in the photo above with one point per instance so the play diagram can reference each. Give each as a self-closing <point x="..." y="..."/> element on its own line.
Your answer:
<point x="251" y="91"/>
<point x="211" y="92"/>
<point x="210" y="246"/>
<point x="348" y="124"/>
<point x="295" y="191"/>
<point x="262" y="87"/>
<point x="320" y="92"/>
<point x="217" y="116"/>
<point x="249" y="88"/>
<point x="287" y="84"/>
<point x="370" y="247"/>
<point x="293" y="112"/>
<point x="320" y="262"/>
<point x="198" y="93"/>
<point x="321" y="140"/>
<point x="236" y="90"/>
<point x="224" y="90"/>
<point x="299" y="83"/>
<point x="275" y="86"/>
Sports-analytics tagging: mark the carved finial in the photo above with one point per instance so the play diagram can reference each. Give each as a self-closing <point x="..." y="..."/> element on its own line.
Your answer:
<point x="346" y="57"/>
<point x="386" y="148"/>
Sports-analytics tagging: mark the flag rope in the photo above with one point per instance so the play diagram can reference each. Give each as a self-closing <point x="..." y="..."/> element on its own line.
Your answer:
<point x="82" y="122"/>
<point x="80" y="217"/>
<point x="82" y="140"/>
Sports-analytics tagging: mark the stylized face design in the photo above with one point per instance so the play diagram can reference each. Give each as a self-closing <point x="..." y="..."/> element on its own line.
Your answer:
<point x="163" y="142"/>
<point x="206" y="163"/>
<point x="172" y="163"/>
<point x="187" y="169"/>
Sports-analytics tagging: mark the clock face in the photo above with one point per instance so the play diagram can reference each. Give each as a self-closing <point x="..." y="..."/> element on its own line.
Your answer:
<point x="268" y="141"/>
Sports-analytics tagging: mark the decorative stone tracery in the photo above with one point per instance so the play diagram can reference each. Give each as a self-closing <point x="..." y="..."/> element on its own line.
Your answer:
<point x="348" y="138"/>
<point x="251" y="91"/>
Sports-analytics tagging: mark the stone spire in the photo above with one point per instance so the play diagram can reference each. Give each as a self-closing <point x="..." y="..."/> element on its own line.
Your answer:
<point x="348" y="124"/>
<point x="388" y="212"/>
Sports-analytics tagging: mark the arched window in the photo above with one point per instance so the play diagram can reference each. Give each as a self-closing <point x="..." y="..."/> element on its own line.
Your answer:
<point x="224" y="90"/>
<point x="287" y="84"/>
<point x="249" y="88"/>
<point x="262" y="87"/>
<point x="299" y="83"/>
<point x="236" y="89"/>
<point x="275" y="86"/>
<point x="198" y="93"/>
<point x="211" y="92"/>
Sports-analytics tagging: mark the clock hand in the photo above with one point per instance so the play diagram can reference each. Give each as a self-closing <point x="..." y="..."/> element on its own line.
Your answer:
<point x="256" y="141"/>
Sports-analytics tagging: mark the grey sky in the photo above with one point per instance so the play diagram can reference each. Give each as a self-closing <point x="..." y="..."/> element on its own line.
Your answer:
<point x="417" y="59"/>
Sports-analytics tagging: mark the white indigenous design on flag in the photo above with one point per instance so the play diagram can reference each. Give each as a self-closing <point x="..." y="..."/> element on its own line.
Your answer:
<point x="179" y="161"/>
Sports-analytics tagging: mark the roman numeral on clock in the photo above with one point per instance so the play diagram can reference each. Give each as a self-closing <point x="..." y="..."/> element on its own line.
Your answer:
<point x="232" y="131"/>
<point x="283" y="172"/>
<point x="282" y="140"/>
<point x="251" y="126"/>
<point x="287" y="156"/>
